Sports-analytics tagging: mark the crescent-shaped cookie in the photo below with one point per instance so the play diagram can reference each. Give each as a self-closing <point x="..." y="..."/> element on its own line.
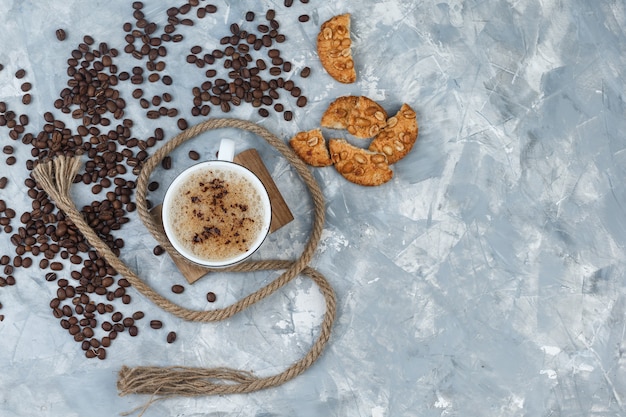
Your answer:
<point x="311" y="147"/>
<point x="358" y="165"/>
<point x="333" y="48"/>
<point x="360" y="115"/>
<point x="398" y="137"/>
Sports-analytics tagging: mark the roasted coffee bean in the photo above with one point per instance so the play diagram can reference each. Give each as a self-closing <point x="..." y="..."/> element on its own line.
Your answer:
<point x="303" y="18"/>
<point x="250" y="16"/>
<point x="21" y="73"/>
<point x="158" y="250"/>
<point x="288" y="115"/>
<point x="153" y="186"/>
<point x="133" y="331"/>
<point x="171" y="337"/>
<point x="301" y="102"/>
<point x="60" y="34"/>
<point x="182" y="124"/>
<point x="156" y="324"/>
<point x="194" y="155"/>
<point x="211" y="297"/>
<point x="178" y="289"/>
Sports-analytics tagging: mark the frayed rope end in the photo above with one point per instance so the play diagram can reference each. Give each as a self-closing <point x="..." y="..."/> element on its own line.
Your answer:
<point x="56" y="176"/>
<point x="184" y="381"/>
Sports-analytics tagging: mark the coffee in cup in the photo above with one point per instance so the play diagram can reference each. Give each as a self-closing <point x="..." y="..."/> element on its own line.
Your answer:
<point x="217" y="213"/>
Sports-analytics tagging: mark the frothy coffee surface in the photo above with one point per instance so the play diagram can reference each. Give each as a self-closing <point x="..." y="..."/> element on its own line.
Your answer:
<point x="216" y="215"/>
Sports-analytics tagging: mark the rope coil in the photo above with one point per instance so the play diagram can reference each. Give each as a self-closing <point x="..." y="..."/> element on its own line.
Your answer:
<point x="55" y="178"/>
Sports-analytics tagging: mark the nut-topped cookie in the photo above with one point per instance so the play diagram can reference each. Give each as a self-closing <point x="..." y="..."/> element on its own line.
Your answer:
<point x="398" y="137"/>
<point x="359" y="166"/>
<point x="311" y="147"/>
<point x="333" y="48"/>
<point x="360" y="115"/>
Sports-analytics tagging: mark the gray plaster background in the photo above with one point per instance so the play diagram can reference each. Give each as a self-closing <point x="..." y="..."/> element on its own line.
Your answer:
<point x="486" y="279"/>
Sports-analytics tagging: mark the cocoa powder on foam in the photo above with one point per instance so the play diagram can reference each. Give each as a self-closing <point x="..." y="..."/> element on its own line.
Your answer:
<point x="216" y="215"/>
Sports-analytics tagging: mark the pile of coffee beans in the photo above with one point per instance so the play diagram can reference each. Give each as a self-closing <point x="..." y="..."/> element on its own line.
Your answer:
<point x="246" y="68"/>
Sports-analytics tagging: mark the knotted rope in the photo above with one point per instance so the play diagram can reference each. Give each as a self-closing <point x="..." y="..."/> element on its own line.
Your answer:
<point x="56" y="176"/>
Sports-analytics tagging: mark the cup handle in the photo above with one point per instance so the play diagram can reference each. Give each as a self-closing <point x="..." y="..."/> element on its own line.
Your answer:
<point x="227" y="150"/>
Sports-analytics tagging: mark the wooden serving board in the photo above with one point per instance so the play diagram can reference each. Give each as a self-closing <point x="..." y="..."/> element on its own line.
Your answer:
<point x="281" y="215"/>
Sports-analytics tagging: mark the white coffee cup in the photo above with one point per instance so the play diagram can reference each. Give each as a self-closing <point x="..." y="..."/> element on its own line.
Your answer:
<point x="217" y="213"/>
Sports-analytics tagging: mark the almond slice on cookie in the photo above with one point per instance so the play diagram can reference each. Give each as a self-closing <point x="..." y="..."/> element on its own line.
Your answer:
<point x="398" y="137"/>
<point x="360" y="115"/>
<point x="359" y="166"/>
<point x="311" y="147"/>
<point x="334" y="48"/>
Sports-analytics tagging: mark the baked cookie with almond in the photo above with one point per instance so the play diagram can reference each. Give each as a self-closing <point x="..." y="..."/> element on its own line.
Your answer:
<point x="360" y="115"/>
<point x="358" y="165"/>
<point x="397" y="138"/>
<point x="311" y="147"/>
<point x="333" y="48"/>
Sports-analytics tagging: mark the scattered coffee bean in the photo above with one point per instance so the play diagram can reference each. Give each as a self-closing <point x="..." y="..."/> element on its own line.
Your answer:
<point x="156" y="324"/>
<point x="211" y="297"/>
<point x="178" y="289"/>
<point x="171" y="337"/>
<point x="193" y="155"/>
<point x="60" y="34"/>
<point x="21" y="73"/>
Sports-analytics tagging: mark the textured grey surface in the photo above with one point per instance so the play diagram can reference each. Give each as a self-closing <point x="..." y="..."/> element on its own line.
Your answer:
<point x="486" y="279"/>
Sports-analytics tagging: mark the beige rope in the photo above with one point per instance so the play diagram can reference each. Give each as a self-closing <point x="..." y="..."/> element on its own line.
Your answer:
<point x="56" y="176"/>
